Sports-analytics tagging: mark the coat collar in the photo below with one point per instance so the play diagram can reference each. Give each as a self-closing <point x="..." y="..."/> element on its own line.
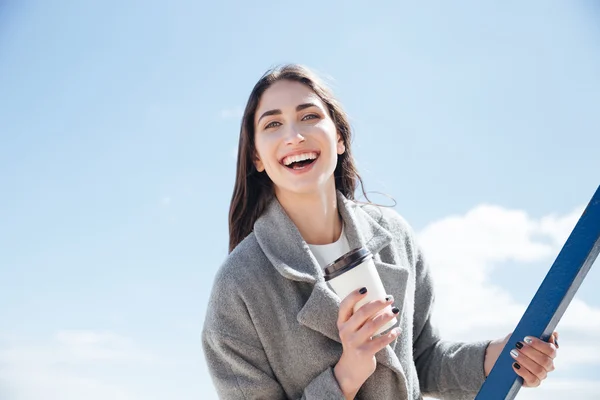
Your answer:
<point x="283" y="245"/>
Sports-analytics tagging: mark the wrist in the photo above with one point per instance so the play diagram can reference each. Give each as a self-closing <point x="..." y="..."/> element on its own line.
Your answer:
<point x="491" y="355"/>
<point x="345" y="381"/>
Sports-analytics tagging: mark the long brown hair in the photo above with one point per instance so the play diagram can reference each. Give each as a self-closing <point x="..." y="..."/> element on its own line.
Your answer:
<point x="253" y="190"/>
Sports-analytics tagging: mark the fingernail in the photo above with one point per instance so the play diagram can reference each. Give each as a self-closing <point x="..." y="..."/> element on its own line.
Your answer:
<point x="528" y="340"/>
<point x="362" y="290"/>
<point x="519" y="345"/>
<point x="517" y="366"/>
<point x="389" y="298"/>
<point x="514" y="353"/>
<point x="395" y="310"/>
<point x="556" y="343"/>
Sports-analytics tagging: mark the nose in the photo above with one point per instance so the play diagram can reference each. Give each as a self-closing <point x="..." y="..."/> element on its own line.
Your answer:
<point x="293" y="136"/>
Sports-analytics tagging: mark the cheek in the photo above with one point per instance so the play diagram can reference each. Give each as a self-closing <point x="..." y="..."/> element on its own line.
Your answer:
<point x="265" y="150"/>
<point x="329" y="130"/>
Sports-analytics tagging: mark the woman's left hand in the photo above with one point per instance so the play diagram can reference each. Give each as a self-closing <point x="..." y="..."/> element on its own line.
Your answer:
<point x="533" y="357"/>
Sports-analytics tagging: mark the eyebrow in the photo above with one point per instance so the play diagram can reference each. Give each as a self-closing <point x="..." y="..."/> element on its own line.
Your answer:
<point x="278" y="112"/>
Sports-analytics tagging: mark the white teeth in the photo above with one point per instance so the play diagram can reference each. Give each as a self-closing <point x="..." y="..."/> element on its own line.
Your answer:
<point x="299" y="157"/>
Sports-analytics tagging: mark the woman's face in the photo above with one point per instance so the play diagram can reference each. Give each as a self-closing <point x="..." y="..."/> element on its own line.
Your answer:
<point x="297" y="143"/>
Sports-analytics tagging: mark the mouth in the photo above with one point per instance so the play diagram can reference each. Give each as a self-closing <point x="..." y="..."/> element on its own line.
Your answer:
<point x="300" y="161"/>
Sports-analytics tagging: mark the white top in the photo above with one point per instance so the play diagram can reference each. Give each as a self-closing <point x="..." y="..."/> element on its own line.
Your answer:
<point x="327" y="253"/>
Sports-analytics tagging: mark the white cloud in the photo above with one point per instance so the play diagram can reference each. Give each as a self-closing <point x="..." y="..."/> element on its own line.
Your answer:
<point x="560" y="389"/>
<point x="558" y="228"/>
<point x="34" y="383"/>
<point x="582" y="317"/>
<point x="63" y="367"/>
<point x="99" y="346"/>
<point x="464" y="250"/>
<point x="232" y="113"/>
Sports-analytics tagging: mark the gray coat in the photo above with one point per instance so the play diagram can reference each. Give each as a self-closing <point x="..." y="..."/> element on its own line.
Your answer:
<point x="270" y="330"/>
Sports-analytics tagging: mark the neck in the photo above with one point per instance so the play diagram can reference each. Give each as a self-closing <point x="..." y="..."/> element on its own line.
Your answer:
<point x="315" y="215"/>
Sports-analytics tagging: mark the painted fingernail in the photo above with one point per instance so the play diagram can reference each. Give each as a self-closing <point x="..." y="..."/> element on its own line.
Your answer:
<point x="519" y="345"/>
<point x="395" y="310"/>
<point x="528" y="340"/>
<point x="362" y="290"/>
<point x="514" y="353"/>
<point x="517" y="366"/>
<point x="389" y="298"/>
<point x="556" y="343"/>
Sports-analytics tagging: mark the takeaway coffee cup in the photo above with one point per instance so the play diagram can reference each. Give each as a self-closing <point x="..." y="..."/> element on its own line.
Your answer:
<point x="353" y="271"/>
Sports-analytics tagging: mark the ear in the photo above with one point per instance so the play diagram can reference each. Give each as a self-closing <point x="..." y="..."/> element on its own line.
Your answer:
<point x="341" y="147"/>
<point x="259" y="164"/>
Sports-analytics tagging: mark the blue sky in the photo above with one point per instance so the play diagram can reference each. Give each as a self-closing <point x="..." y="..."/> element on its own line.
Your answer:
<point x="118" y="127"/>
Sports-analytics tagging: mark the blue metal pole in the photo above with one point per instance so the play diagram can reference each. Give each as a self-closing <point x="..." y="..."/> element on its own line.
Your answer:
<point x="550" y="301"/>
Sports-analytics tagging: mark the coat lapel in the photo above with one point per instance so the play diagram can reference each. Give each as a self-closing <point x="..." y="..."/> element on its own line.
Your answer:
<point x="320" y="312"/>
<point x="283" y="245"/>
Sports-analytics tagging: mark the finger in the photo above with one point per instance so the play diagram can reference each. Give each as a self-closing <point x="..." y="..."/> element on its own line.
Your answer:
<point x="554" y="339"/>
<point x="530" y="365"/>
<point x="529" y="380"/>
<point x="548" y="349"/>
<point x="378" y="343"/>
<point x="366" y="312"/>
<point x="538" y="357"/>
<point x="347" y="305"/>
<point x="374" y="324"/>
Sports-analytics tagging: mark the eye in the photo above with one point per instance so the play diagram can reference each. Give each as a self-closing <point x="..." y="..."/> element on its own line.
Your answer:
<point x="310" y="115"/>
<point x="270" y="125"/>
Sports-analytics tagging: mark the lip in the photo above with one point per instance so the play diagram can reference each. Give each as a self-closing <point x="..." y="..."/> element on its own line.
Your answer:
<point x="293" y="153"/>
<point x="303" y="170"/>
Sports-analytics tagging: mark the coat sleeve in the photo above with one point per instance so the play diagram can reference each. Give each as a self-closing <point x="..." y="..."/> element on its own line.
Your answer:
<point x="242" y="371"/>
<point x="236" y="359"/>
<point x="446" y="370"/>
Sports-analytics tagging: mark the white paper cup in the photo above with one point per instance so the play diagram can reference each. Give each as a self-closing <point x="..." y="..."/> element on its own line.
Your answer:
<point x="353" y="271"/>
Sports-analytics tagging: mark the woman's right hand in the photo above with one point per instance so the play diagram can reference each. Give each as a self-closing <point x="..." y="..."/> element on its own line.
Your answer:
<point x="358" y="362"/>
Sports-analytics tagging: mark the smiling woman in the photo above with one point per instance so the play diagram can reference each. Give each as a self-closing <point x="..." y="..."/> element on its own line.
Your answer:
<point x="274" y="328"/>
<point x="292" y="105"/>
